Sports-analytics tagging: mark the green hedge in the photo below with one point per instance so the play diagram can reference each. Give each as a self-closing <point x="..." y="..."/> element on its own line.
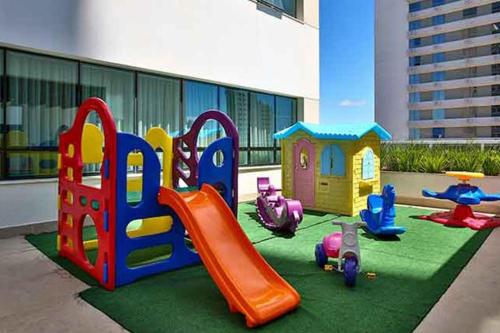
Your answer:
<point x="413" y="157"/>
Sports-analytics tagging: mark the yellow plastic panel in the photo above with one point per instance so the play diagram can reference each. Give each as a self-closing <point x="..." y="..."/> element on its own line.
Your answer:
<point x="159" y="139"/>
<point x="92" y="143"/>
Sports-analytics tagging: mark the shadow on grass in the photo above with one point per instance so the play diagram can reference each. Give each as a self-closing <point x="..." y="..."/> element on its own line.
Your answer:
<point x="403" y="298"/>
<point x="383" y="238"/>
<point x="186" y="300"/>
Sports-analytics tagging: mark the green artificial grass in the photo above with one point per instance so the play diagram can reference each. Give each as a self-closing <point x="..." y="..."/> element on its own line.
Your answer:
<point x="412" y="272"/>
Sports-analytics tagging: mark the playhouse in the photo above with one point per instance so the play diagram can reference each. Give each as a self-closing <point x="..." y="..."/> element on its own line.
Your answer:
<point x="331" y="168"/>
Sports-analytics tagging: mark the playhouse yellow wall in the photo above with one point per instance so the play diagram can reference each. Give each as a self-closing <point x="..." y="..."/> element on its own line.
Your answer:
<point x="335" y="194"/>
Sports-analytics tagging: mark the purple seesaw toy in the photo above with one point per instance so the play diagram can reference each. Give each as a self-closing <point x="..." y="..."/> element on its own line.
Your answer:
<point x="277" y="213"/>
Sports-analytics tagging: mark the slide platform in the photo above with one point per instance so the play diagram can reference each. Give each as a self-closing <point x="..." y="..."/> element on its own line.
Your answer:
<point x="246" y="280"/>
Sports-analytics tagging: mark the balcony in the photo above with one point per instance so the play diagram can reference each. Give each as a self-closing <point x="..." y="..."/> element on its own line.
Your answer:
<point x="453" y="84"/>
<point x="456" y="25"/>
<point x="445" y="9"/>
<point x="455" y="64"/>
<point x="455" y="45"/>
<point x="455" y="122"/>
<point x="455" y="103"/>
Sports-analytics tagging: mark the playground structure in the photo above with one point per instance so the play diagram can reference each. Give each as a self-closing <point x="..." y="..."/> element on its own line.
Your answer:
<point x="275" y="211"/>
<point x="464" y="195"/>
<point x="381" y="213"/>
<point x="331" y="168"/>
<point x="162" y="213"/>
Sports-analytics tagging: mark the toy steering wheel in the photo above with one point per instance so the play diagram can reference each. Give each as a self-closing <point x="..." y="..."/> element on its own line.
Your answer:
<point x="464" y="176"/>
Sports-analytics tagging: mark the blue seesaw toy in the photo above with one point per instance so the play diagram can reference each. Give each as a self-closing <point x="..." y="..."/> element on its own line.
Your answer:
<point x="381" y="213"/>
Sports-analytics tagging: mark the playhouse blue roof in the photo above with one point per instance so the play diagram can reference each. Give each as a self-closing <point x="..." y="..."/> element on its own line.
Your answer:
<point x="335" y="132"/>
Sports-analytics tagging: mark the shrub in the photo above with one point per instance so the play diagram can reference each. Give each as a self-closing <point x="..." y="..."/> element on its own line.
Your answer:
<point x="439" y="158"/>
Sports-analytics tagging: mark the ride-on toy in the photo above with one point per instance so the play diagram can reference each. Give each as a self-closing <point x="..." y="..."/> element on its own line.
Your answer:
<point x="465" y="195"/>
<point x="344" y="247"/>
<point x="275" y="211"/>
<point x="381" y="212"/>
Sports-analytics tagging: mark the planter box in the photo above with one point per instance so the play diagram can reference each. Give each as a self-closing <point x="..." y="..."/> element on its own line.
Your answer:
<point x="409" y="187"/>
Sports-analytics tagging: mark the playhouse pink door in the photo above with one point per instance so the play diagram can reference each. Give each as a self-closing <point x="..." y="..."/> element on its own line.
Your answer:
<point x="303" y="160"/>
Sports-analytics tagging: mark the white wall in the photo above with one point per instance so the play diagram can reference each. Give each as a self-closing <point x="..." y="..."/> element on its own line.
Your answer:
<point x="224" y="41"/>
<point x="35" y="201"/>
<point x="391" y="64"/>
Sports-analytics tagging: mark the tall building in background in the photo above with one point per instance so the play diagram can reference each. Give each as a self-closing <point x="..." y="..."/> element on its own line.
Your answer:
<point x="437" y="68"/>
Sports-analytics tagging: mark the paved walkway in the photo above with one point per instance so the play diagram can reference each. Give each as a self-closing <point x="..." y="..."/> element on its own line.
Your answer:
<point x="36" y="295"/>
<point x="472" y="303"/>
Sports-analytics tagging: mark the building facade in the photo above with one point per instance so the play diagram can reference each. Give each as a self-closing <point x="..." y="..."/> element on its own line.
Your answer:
<point x="156" y="63"/>
<point x="438" y="68"/>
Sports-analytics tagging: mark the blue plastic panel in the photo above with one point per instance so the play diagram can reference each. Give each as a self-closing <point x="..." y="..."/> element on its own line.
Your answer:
<point x="146" y="208"/>
<point x="218" y="176"/>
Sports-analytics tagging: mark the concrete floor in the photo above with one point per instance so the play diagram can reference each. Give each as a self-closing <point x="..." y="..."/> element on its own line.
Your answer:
<point x="36" y="295"/>
<point x="472" y="303"/>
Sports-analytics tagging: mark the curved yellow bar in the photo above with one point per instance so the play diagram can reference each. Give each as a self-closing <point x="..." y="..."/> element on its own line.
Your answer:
<point x="464" y="175"/>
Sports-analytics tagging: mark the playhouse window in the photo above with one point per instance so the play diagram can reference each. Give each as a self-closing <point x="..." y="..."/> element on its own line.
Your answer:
<point x="332" y="161"/>
<point x="368" y="165"/>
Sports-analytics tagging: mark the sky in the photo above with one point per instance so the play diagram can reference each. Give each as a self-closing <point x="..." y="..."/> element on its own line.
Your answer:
<point x="346" y="61"/>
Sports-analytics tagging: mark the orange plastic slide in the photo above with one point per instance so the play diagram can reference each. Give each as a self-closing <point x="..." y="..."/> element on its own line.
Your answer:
<point x="246" y="280"/>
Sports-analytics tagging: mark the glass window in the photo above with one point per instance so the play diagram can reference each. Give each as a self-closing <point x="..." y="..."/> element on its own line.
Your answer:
<point x="495" y="7"/>
<point x="437" y="20"/>
<point x="469" y="12"/>
<point x="495" y="110"/>
<point x="414" y="7"/>
<point x="41" y="104"/>
<point x="414" y="25"/>
<point x="438" y="57"/>
<point x="495" y="28"/>
<point x="198" y="98"/>
<point x="438" y="95"/>
<point x="495" y="131"/>
<point x="438" y="76"/>
<point x="158" y="104"/>
<point x="414" y="115"/>
<point x="437" y="3"/>
<point x="414" y="97"/>
<point x="288" y="6"/>
<point x="116" y="88"/>
<point x="333" y="161"/>
<point x="414" y="133"/>
<point x="495" y="90"/>
<point x="416" y="42"/>
<point x="438" y="114"/>
<point x="234" y="102"/>
<point x="415" y="61"/>
<point x="261" y="127"/>
<point x="495" y="49"/>
<point x="368" y="165"/>
<point x="285" y="113"/>
<point x="437" y="39"/>
<point x="438" y="132"/>
<point x="414" y="78"/>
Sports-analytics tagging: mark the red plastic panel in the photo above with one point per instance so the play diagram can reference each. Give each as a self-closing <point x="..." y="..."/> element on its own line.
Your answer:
<point x="70" y="178"/>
